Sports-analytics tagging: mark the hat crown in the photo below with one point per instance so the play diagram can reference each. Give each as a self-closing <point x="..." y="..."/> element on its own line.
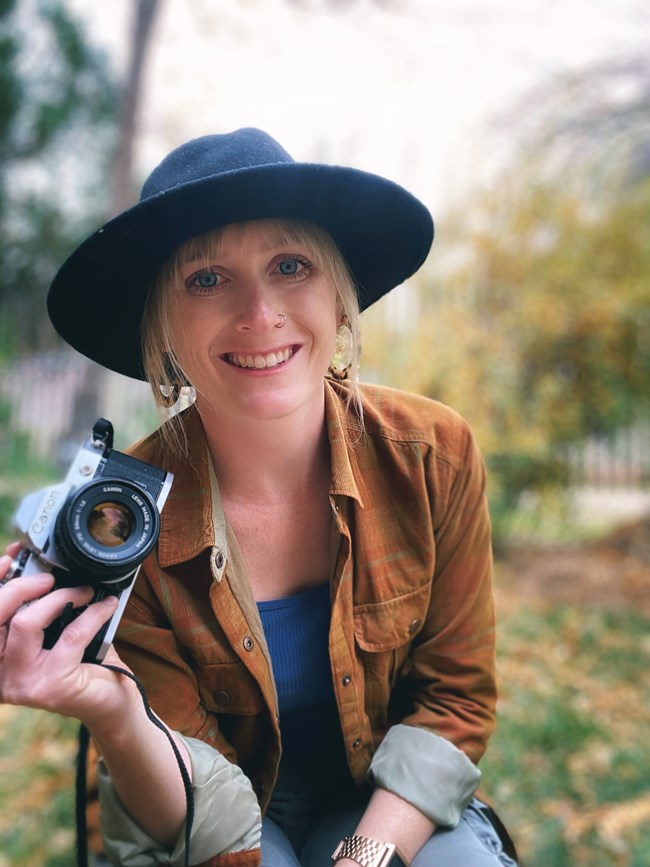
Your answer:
<point x="212" y="155"/>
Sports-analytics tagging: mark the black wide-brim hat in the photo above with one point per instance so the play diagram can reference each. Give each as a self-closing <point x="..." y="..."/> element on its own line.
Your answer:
<point x="96" y="300"/>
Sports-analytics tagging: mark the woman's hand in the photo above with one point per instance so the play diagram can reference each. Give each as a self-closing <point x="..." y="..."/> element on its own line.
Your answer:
<point x="53" y="680"/>
<point x="137" y="753"/>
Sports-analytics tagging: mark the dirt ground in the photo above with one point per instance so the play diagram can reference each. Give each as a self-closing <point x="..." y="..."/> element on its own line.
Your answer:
<point x="612" y="572"/>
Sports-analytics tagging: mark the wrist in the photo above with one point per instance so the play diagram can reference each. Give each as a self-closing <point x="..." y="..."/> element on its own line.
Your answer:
<point x="119" y="712"/>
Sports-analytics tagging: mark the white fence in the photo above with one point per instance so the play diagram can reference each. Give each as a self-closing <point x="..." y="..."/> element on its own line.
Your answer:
<point x="52" y="400"/>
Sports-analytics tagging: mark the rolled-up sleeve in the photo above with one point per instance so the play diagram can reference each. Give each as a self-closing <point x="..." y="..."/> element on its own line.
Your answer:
<point x="226" y="820"/>
<point x="426" y="770"/>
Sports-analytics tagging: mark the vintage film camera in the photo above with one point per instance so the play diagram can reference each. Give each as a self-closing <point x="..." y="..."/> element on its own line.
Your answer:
<point x="94" y="529"/>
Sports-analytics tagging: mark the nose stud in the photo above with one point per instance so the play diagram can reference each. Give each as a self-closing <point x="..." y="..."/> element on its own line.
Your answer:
<point x="282" y="323"/>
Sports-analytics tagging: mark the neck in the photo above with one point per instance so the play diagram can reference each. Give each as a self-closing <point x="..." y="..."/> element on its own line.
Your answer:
<point x="268" y="459"/>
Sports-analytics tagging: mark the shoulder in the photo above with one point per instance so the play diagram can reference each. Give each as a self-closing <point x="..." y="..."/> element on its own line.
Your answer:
<point x="403" y="425"/>
<point x="402" y="416"/>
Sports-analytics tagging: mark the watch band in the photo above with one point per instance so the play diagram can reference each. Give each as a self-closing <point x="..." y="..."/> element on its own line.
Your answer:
<point x="366" y="852"/>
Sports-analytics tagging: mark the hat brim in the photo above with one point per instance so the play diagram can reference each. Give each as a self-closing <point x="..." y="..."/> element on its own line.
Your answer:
<point x="383" y="232"/>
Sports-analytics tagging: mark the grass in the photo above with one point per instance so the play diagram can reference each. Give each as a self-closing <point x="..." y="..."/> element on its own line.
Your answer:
<point x="37" y="753"/>
<point x="568" y="767"/>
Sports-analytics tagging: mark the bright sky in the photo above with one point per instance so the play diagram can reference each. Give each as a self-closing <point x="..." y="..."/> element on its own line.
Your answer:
<point x="393" y="87"/>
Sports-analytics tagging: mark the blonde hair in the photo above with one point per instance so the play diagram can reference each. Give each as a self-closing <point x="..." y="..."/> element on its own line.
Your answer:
<point x="160" y="361"/>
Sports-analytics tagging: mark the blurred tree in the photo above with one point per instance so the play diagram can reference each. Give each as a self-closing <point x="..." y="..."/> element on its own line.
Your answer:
<point x="590" y="125"/>
<point x="541" y="334"/>
<point x="57" y="132"/>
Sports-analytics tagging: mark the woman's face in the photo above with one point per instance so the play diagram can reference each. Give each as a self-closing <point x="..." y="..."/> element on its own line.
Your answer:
<point x="225" y="312"/>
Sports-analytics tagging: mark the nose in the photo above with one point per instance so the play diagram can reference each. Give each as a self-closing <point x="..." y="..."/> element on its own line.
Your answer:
<point x="258" y="310"/>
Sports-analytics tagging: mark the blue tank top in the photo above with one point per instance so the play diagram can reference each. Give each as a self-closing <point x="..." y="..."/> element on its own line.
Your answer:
<point x="297" y="633"/>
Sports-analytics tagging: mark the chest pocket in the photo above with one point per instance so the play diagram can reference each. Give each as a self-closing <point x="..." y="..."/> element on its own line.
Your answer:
<point x="383" y="626"/>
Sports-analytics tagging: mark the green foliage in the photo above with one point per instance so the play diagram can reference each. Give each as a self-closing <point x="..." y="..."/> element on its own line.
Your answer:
<point x="38" y="829"/>
<point x="568" y="766"/>
<point x="57" y="110"/>
<point x="538" y="332"/>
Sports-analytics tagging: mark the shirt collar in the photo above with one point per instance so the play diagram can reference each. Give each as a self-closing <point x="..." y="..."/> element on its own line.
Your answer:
<point x="187" y="523"/>
<point x="344" y="431"/>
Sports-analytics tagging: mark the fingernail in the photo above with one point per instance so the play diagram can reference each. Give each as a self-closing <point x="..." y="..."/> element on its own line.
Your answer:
<point x="109" y="601"/>
<point x="43" y="578"/>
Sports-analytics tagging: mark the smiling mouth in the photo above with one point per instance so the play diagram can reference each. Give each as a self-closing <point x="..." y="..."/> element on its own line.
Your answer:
<point x="259" y="361"/>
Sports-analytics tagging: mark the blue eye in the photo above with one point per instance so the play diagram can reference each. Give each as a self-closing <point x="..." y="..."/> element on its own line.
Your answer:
<point x="207" y="280"/>
<point x="289" y="266"/>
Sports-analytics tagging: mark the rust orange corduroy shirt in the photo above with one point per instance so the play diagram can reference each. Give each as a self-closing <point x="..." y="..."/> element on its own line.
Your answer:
<point x="412" y="625"/>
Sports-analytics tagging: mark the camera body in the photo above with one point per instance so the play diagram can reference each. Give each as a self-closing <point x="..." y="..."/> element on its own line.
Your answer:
<point x="93" y="529"/>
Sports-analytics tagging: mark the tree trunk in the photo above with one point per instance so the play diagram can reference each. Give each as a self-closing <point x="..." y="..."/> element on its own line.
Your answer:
<point x="87" y="405"/>
<point x="124" y="192"/>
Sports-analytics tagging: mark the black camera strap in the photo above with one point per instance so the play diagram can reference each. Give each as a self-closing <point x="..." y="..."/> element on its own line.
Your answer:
<point x="80" y="784"/>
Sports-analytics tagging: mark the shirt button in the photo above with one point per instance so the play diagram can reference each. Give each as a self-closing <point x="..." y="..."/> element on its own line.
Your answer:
<point x="356" y="744"/>
<point x="248" y="643"/>
<point x="347" y="680"/>
<point x="221" y="696"/>
<point x="219" y="560"/>
<point x="414" y="625"/>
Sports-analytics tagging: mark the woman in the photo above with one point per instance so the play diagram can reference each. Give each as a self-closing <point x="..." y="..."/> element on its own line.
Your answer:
<point x="318" y="612"/>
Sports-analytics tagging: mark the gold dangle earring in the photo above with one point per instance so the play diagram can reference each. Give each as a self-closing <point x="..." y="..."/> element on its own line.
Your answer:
<point x="339" y="368"/>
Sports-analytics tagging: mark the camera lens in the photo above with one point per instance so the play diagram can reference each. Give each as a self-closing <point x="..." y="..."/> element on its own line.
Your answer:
<point x="105" y="530"/>
<point x="111" y="524"/>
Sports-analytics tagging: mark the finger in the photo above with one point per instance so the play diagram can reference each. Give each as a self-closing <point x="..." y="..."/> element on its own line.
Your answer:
<point x="77" y="635"/>
<point x="17" y="591"/>
<point x="55" y="679"/>
<point x="24" y="639"/>
<point x="7" y="559"/>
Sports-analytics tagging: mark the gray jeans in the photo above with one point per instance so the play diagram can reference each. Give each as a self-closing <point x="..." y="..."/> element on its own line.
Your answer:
<point x="473" y="843"/>
<point x="301" y="829"/>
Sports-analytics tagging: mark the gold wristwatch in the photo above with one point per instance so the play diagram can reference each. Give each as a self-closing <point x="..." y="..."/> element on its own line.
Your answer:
<point x="367" y="852"/>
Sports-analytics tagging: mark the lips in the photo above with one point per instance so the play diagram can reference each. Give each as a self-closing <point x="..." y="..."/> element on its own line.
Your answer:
<point x="259" y="361"/>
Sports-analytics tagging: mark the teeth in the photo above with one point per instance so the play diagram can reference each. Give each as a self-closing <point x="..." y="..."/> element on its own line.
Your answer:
<point x="261" y="361"/>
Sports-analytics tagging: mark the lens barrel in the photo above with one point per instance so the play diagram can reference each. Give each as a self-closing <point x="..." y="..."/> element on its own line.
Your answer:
<point x="105" y="530"/>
